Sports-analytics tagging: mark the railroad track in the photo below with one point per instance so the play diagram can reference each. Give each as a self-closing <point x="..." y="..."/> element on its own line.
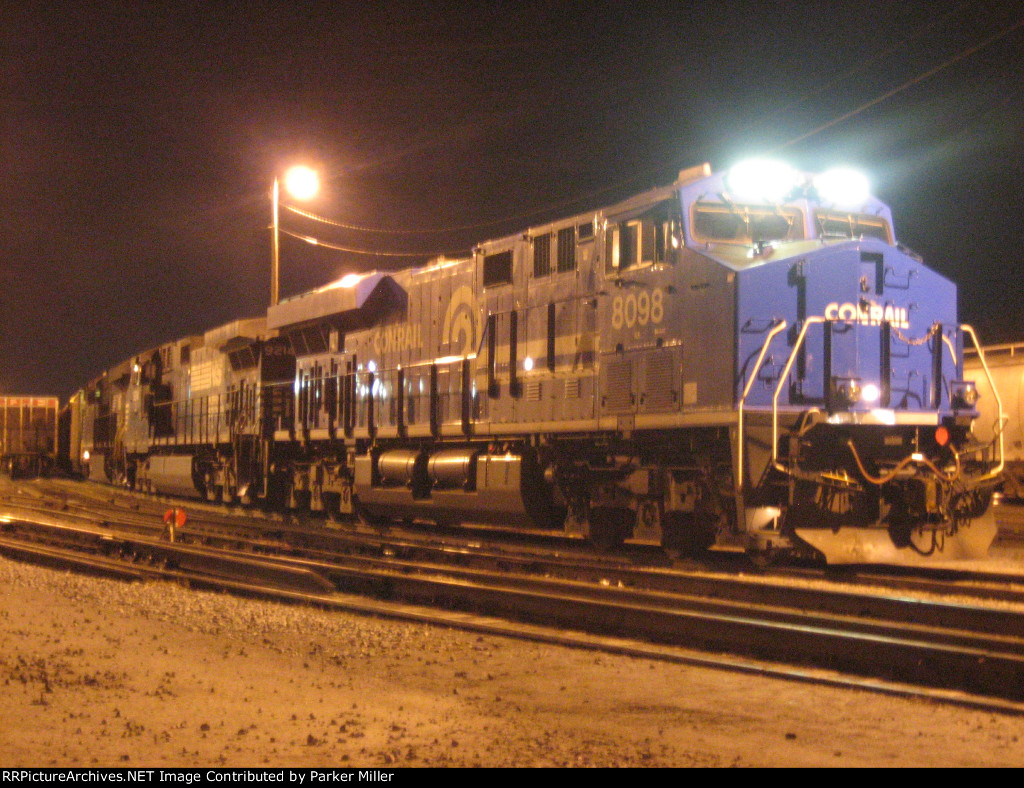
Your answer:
<point x="567" y="559"/>
<point x="960" y="647"/>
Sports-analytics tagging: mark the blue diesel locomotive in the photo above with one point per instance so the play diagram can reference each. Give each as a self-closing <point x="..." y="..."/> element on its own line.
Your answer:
<point x="746" y="359"/>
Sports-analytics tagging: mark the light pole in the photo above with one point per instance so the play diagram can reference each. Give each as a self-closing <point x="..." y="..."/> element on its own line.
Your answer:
<point x="275" y="253"/>
<point x="301" y="183"/>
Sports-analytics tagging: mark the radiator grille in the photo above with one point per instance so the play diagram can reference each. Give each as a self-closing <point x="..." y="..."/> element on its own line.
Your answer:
<point x="660" y="390"/>
<point x="618" y="389"/>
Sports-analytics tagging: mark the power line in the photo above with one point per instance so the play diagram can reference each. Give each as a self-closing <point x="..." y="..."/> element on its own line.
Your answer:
<point x="909" y="83"/>
<point x="458" y="228"/>
<point x="335" y="247"/>
<point x="847" y="73"/>
<point x="622" y="183"/>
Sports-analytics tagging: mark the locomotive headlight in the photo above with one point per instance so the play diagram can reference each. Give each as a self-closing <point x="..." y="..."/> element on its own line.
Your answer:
<point x="758" y="180"/>
<point x="846" y="391"/>
<point x="842" y="187"/>
<point x="964" y="394"/>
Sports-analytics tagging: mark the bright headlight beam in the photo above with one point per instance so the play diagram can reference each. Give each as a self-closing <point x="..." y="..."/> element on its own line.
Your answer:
<point x="761" y="180"/>
<point x="843" y="187"/>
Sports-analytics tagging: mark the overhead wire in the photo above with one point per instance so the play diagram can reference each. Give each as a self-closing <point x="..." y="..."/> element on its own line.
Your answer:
<point x="380" y="230"/>
<point x="370" y="252"/>
<point x="451" y="228"/>
<point x="908" y="84"/>
<point x="860" y="66"/>
<point x="414" y="231"/>
<point x="622" y="183"/>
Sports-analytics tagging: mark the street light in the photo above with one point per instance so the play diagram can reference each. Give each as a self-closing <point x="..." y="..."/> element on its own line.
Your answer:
<point x="301" y="183"/>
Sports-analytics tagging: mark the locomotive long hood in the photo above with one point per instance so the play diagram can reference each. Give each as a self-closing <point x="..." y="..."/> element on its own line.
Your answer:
<point x="351" y="302"/>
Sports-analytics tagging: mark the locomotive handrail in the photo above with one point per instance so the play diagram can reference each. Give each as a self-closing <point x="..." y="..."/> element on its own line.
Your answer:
<point x="952" y="351"/>
<point x="1001" y="421"/>
<point x="782" y="380"/>
<point x="789" y="365"/>
<point x="746" y="390"/>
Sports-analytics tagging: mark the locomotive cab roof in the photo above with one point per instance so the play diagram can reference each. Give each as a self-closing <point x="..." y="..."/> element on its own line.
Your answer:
<point x="740" y="225"/>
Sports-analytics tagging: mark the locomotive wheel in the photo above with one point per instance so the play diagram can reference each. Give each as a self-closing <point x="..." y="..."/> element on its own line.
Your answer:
<point x="610" y="527"/>
<point x="277" y="488"/>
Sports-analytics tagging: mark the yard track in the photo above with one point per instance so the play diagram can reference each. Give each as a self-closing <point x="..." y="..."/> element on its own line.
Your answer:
<point x="970" y="650"/>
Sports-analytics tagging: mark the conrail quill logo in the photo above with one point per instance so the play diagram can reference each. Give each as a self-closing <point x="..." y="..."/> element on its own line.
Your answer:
<point x="462" y="322"/>
<point x="868" y="313"/>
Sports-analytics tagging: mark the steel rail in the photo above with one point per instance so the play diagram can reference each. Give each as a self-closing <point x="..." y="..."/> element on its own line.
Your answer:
<point x="536" y="633"/>
<point x="933" y="655"/>
<point x="979" y="585"/>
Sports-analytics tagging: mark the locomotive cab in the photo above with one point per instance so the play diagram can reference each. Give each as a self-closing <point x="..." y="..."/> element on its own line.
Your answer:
<point x="854" y="413"/>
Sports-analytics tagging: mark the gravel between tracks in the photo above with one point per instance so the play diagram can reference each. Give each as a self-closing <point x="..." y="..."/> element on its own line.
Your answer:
<point x="104" y="673"/>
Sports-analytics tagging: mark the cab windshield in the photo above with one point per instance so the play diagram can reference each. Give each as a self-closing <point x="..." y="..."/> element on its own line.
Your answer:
<point x="834" y="224"/>
<point x="746" y="224"/>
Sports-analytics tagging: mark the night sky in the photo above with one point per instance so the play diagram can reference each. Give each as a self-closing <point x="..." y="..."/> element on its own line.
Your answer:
<point x="139" y="142"/>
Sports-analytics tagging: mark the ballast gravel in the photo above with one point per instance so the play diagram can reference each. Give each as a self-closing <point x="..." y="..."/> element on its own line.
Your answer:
<point x="103" y="673"/>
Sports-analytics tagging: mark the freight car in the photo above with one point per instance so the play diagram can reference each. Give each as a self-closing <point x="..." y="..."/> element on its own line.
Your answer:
<point x="1006" y="363"/>
<point x="745" y="358"/>
<point x="28" y="435"/>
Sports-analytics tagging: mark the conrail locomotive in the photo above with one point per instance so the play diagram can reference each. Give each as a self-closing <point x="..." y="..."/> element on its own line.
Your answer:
<point x="745" y="359"/>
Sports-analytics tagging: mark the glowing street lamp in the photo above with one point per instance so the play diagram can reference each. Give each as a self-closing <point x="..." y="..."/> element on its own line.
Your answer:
<point x="301" y="183"/>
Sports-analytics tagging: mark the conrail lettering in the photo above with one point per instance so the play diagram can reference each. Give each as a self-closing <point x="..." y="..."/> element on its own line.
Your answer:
<point x="394" y="339"/>
<point x="868" y="313"/>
